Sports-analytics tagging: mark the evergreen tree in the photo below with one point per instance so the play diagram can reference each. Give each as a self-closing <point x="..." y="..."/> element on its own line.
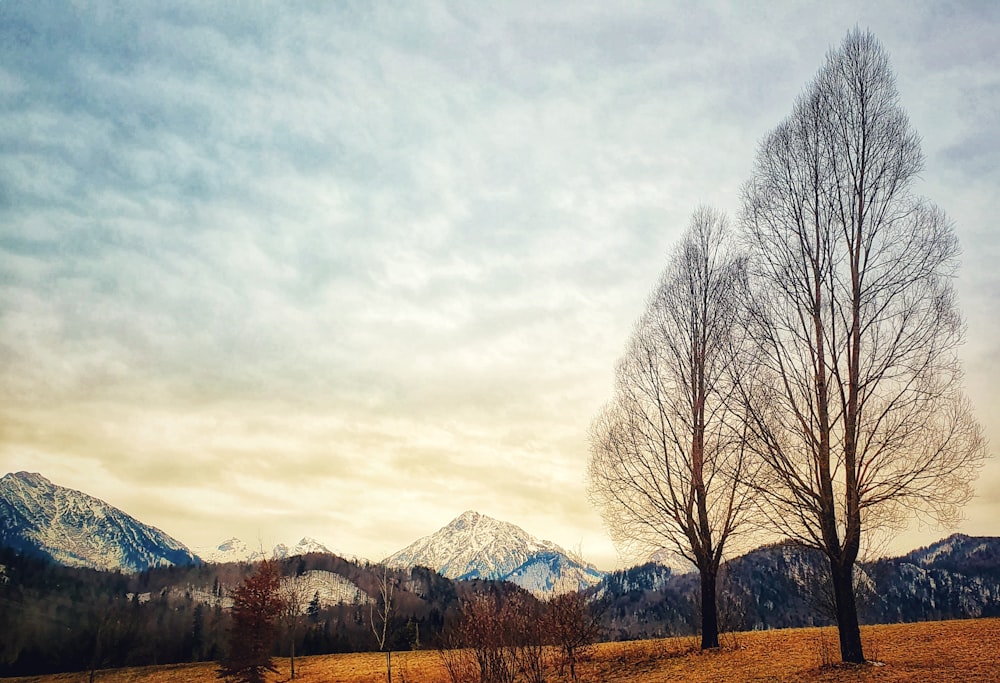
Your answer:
<point x="312" y="611"/>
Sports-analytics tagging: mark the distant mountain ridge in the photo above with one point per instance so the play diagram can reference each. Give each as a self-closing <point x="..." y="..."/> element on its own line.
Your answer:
<point x="475" y="546"/>
<point x="78" y="530"/>
<point x="235" y="550"/>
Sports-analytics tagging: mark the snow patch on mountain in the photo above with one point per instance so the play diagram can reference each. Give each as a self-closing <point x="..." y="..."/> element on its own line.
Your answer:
<point x="78" y="530"/>
<point x="332" y="589"/>
<point x="956" y="549"/>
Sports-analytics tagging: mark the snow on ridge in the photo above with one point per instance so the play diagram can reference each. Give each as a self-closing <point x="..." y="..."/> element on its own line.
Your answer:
<point x="944" y="548"/>
<point x="235" y="550"/>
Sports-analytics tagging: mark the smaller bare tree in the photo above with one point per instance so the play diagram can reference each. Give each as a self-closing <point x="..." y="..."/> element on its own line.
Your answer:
<point x="498" y="637"/>
<point x="524" y="623"/>
<point x="669" y="464"/>
<point x="293" y="603"/>
<point x="494" y="639"/>
<point x="380" y="613"/>
<point x="484" y="632"/>
<point x="455" y="657"/>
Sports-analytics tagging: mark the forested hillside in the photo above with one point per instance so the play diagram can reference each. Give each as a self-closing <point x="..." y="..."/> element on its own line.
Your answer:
<point x="784" y="585"/>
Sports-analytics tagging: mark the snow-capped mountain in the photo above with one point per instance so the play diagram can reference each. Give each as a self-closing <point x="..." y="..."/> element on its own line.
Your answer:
<point x="235" y="550"/>
<point x="78" y="530"/>
<point x="474" y="546"/>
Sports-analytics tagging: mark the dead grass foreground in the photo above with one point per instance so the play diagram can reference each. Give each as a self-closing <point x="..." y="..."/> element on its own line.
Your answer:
<point x="941" y="652"/>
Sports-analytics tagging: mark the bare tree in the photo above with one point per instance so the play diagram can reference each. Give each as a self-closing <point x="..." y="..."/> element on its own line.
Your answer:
<point x="292" y="594"/>
<point x="858" y="407"/>
<point x="668" y="464"/>
<point x="380" y="614"/>
<point x="381" y="607"/>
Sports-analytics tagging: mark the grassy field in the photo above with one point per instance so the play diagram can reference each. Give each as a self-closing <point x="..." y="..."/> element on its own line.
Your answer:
<point x="940" y="652"/>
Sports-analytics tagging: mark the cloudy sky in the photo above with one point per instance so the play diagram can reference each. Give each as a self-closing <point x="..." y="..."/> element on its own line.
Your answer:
<point x="346" y="270"/>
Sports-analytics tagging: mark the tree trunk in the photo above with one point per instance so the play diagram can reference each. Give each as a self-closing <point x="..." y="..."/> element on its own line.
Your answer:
<point x="293" y="656"/>
<point x="847" y="613"/>
<point x="709" y="611"/>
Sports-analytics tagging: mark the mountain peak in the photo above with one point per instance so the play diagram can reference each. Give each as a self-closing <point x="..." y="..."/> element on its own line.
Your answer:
<point x="469" y="517"/>
<point x="475" y="546"/>
<point x="30" y="478"/>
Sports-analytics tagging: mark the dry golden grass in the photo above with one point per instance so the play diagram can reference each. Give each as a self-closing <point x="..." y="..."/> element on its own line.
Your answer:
<point x="940" y="652"/>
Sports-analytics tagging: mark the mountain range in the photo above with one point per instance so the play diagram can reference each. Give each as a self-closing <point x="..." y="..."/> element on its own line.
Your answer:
<point x="166" y="605"/>
<point x="76" y="529"/>
<point x="779" y="584"/>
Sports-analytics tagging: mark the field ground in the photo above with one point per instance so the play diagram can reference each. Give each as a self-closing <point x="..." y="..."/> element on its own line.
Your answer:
<point x="940" y="652"/>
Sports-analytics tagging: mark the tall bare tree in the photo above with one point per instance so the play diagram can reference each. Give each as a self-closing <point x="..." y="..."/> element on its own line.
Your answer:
<point x="668" y="466"/>
<point x="859" y="411"/>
